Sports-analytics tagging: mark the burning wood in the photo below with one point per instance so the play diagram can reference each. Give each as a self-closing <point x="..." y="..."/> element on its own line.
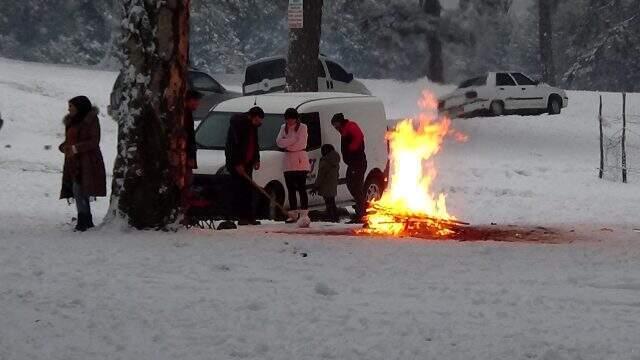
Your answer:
<point x="408" y="206"/>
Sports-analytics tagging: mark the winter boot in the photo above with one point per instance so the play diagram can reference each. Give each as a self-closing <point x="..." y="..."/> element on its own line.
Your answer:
<point x="89" y="222"/>
<point x="303" y="220"/>
<point x="81" y="225"/>
<point x="292" y="217"/>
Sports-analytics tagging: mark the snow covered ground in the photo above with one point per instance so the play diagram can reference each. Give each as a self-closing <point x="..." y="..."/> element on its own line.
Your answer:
<point x="254" y="294"/>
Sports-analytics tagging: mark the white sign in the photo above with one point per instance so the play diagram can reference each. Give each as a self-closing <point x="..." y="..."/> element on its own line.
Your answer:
<point x="296" y="14"/>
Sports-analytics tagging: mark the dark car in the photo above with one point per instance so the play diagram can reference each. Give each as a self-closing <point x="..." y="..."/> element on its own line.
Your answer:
<point x="213" y="93"/>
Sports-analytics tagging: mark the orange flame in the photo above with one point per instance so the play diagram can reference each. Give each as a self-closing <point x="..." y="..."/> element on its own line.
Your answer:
<point x="412" y="171"/>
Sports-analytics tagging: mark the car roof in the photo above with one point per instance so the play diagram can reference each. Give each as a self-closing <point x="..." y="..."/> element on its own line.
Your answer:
<point x="276" y="103"/>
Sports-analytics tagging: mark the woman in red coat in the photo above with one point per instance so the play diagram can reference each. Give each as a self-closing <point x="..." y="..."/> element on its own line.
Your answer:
<point x="83" y="174"/>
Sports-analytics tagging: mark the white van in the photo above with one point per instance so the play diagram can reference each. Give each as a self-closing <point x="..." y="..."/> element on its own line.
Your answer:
<point x="316" y="111"/>
<point x="267" y="75"/>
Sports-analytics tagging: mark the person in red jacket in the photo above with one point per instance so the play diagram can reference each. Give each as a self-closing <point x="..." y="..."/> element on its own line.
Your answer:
<point x="353" y="154"/>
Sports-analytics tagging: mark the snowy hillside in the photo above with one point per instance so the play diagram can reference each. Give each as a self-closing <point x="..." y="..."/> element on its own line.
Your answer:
<point x="255" y="294"/>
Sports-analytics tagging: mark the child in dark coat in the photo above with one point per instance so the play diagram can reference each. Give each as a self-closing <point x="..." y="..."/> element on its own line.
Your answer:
<point x="326" y="184"/>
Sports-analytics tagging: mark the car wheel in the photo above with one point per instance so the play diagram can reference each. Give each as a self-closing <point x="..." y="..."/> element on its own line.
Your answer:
<point x="555" y="106"/>
<point x="373" y="188"/>
<point x="497" y="108"/>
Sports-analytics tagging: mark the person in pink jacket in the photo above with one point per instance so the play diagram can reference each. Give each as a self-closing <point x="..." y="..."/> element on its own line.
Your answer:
<point x="292" y="139"/>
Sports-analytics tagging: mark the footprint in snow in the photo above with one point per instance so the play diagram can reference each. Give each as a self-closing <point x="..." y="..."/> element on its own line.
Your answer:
<point x="324" y="289"/>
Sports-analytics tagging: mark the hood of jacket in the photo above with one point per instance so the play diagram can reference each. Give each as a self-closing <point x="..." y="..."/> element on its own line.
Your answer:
<point x="332" y="158"/>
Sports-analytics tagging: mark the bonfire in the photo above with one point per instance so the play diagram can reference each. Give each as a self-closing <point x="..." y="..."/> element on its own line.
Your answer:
<point x="409" y="205"/>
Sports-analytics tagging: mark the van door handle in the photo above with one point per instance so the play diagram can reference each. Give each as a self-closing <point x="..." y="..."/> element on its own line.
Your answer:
<point x="524" y="89"/>
<point x="501" y="88"/>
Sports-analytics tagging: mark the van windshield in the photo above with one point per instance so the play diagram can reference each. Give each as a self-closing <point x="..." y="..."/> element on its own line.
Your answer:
<point x="212" y="132"/>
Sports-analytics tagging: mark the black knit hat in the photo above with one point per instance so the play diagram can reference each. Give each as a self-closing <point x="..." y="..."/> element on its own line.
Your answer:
<point x="291" y="113"/>
<point x="256" y="111"/>
<point x="339" y="117"/>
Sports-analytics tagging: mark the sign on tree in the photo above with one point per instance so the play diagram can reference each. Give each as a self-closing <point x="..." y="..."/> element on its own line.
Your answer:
<point x="296" y="14"/>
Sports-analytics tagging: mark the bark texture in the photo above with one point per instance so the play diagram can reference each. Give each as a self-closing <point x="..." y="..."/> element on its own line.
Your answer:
<point x="545" y="29"/>
<point x="304" y="48"/>
<point x="435" y="65"/>
<point x="151" y="165"/>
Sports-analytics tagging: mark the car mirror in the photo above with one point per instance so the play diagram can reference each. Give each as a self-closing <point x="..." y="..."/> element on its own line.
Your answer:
<point x="349" y="78"/>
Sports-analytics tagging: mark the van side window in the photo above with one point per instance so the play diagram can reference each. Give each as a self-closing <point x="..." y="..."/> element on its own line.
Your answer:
<point x="337" y="72"/>
<point x="312" y="120"/>
<point x="273" y="69"/>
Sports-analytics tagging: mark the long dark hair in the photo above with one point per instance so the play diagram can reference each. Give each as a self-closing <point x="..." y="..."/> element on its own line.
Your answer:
<point x="291" y="113"/>
<point x="83" y="106"/>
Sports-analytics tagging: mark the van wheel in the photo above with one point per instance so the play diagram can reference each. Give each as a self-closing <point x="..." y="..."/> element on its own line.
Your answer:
<point x="373" y="188"/>
<point x="497" y="108"/>
<point x="268" y="210"/>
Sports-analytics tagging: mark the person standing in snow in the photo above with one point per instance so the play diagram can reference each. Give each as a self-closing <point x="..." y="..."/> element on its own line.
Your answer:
<point x="353" y="154"/>
<point x="326" y="184"/>
<point x="83" y="174"/>
<point x="292" y="139"/>
<point x="242" y="153"/>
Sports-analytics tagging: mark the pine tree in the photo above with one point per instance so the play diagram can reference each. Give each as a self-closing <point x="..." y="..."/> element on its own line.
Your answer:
<point x="149" y="172"/>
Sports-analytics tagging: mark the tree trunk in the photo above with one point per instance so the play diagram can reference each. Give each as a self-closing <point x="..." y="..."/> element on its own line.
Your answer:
<point x="545" y="31"/>
<point x="435" y="67"/>
<point x="151" y="166"/>
<point x="304" y="48"/>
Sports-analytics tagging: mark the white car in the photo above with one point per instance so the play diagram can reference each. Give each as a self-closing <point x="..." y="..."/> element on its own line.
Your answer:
<point x="267" y="75"/>
<point x="316" y="111"/>
<point x="499" y="93"/>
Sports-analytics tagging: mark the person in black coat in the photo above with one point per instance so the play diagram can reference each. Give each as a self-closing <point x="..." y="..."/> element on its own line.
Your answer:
<point x="242" y="153"/>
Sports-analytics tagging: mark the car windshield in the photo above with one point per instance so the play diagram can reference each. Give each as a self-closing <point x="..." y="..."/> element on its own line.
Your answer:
<point x="212" y="132"/>
<point x="477" y="81"/>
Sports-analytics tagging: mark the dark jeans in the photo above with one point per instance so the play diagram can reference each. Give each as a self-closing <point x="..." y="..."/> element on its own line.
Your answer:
<point x="243" y="195"/>
<point x="296" y="182"/>
<point x="82" y="199"/>
<point x="355" y="184"/>
<point x="332" y="210"/>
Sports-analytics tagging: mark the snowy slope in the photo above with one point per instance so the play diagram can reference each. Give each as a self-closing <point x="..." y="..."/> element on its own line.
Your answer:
<point x="249" y="294"/>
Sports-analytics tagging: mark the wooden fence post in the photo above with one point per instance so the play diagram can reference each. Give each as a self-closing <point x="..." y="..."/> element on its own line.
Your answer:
<point x="601" y="141"/>
<point x="624" y="135"/>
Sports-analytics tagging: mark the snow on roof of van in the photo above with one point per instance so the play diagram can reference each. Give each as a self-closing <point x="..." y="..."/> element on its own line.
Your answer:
<point x="278" y="102"/>
<point x="275" y="57"/>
